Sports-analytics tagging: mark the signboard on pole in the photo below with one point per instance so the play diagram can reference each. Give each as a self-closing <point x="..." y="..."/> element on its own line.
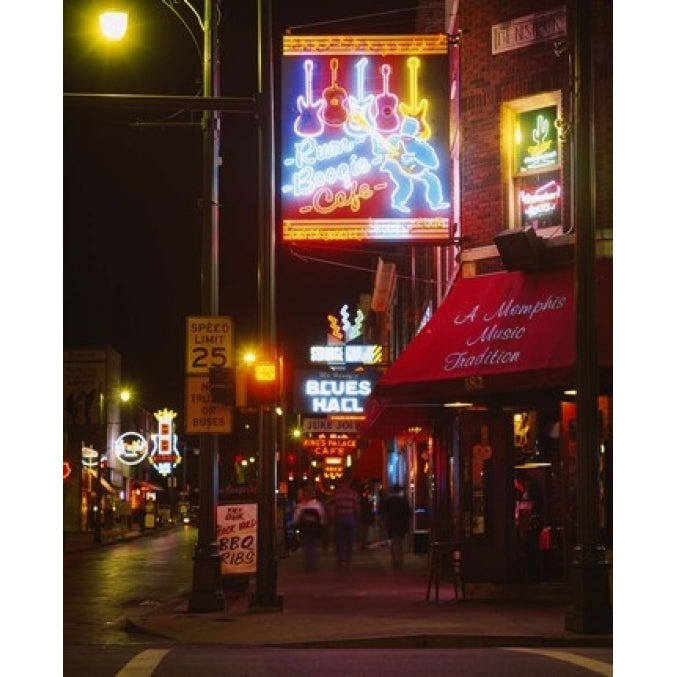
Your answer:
<point x="202" y="414"/>
<point x="209" y="343"/>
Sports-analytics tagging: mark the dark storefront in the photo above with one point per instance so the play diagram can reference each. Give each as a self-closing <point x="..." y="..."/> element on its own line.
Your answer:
<point x="489" y="381"/>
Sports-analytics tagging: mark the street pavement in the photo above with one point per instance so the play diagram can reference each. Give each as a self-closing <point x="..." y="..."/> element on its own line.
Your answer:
<point x="372" y="605"/>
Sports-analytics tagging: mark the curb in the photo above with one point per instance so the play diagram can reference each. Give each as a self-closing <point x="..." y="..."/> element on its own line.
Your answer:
<point x="397" y="641"/>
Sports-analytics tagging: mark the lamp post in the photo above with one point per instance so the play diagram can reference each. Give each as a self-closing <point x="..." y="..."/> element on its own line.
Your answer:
<point x="590" y="609"/>
<point x="207" y="594"/>
<point x="103" y="423"/>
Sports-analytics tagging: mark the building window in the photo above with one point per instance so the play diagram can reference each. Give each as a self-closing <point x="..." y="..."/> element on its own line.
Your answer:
<point x="532" y="164"/>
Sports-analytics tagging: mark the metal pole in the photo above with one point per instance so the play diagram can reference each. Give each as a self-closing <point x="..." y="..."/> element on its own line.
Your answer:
<point x="207" y="592"/>
<point x="590" y="610"/>
<point x="265" y="595"/>
<point x="99" y="488"/>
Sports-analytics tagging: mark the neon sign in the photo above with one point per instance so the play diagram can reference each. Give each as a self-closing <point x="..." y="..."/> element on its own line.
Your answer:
<point x="351" y="354"/>
<point x="164" y="455"/>
<point x="333" y="392"/>
<point x="131" y="448"/>
<point x="345" y="330"/>
<point x="541" y="202"/>
<point x="90" y="457"/>
<point x="536" y="140"/>
<point x="330" y="445"/>
<point x="341" y="332"/>
<point x="365" y="139"/>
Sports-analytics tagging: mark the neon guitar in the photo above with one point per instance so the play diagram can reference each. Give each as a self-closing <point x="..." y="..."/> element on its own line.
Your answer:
<point x="359" y="106"/>
<point x="309" y="121"/>
<point x="335" y="112"/>
<point x="416" y="109"/>
<point x="384" y="107"/>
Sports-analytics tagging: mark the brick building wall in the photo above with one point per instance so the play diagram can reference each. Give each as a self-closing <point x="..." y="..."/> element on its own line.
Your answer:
<point x="488" y="80"/>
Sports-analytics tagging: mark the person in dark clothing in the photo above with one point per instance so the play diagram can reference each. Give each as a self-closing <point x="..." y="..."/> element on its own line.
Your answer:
<point x="310" y="519"/>
<point x="344" y="510"/>
<point x="366" y="516"/>
<point x="397" y="514"/>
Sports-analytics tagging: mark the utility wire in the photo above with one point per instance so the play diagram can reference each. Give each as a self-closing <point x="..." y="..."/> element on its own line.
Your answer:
<point x="350" y="19"/>
<point x="328" y="262"/>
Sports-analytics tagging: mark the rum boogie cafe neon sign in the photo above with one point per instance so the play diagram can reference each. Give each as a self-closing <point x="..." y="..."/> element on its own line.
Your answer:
<point x="365" y="139"/>
<point x="328" y="392"/>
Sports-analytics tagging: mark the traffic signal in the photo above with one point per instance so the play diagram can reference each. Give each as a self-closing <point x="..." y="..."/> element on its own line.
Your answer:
<point x="262" y="384"/>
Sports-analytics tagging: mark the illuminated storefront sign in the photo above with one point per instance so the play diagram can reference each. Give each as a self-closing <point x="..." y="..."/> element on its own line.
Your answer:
<point x="327" y="425"/>
<point x="90" y="457"/>
<point x="365" y="139"/>
<point x="343" y="329"/>
<point x="536" y="140"/>
<point x="541" y="202"/>
<point x="331" y="445"/>
<point x="164" y="455"/>
<point x="333" y="392"/>
<point x="131" y="448"/>
<point x="339" y="350"/>
<point x="350" y="354"/>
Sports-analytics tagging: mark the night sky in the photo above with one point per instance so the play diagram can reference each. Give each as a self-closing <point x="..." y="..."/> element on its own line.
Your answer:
<point x="131" y="218"/>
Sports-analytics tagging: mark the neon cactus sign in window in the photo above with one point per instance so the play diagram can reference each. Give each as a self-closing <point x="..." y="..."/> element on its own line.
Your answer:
<point x="365" y="148"/>
<point x="536" y="140"/>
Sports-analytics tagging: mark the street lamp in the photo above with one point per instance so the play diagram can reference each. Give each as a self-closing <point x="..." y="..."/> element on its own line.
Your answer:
<point x="207" y="594"/>
<point x="113" y="24"/>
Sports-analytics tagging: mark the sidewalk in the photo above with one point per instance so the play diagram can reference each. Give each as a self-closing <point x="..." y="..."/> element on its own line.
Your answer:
<point x="74" y="541"/>
<point x="370" y="606"/>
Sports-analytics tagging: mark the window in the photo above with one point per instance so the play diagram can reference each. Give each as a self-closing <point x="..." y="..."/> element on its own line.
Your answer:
<point x="532" y="164"/>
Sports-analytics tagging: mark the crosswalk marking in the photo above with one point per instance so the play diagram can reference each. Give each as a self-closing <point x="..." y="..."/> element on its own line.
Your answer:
<point x="604" y="669"/>
<point x="143" y="664"/>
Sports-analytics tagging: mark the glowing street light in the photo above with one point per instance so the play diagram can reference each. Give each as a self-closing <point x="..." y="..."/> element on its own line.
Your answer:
<point x="113" y="24"/>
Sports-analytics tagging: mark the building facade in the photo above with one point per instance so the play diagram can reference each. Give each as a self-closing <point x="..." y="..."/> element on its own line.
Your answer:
<point x="478" y="408"/>
<point x="98" y="474"/>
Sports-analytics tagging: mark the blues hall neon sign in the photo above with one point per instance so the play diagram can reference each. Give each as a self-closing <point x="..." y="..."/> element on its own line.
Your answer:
<point x="364" y="139"/>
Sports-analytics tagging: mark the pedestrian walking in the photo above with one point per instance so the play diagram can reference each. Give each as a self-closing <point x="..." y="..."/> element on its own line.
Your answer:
<point x="366" y="515"/>
<point x="344" y="512"/>
<point x="397" y="514"/>
<point x="310" y="518"/>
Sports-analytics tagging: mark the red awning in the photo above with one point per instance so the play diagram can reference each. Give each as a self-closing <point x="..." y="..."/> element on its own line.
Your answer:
<point x="493" y="333"/>
<point x="145" y="486"/>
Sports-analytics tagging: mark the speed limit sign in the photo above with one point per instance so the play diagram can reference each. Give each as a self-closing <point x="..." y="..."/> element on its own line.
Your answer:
<point x="209" y="343"/>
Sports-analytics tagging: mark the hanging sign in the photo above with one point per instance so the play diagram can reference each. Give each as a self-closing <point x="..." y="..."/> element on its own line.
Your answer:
<point x="165" y="456"/>
<point x="131" y="448"/>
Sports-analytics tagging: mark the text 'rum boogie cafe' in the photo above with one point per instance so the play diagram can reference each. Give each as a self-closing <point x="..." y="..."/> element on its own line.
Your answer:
<point x="483" y="395"/>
